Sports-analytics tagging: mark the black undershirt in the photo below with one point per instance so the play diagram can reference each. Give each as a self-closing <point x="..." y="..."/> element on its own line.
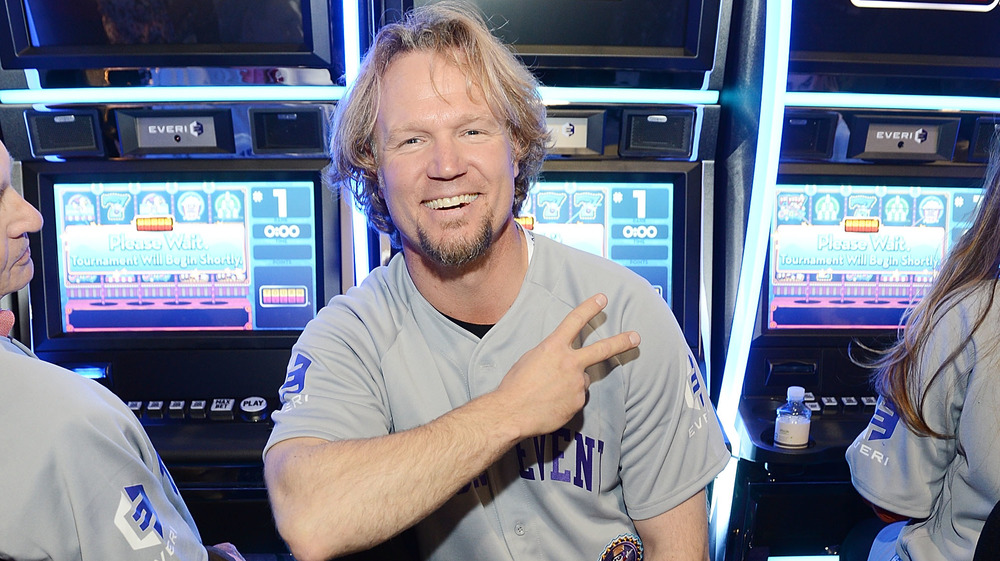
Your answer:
<point x="478" y="329"/>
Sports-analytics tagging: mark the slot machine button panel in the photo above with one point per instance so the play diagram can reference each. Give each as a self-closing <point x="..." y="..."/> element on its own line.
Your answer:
<point x="830" y="405"/>
<point x="222" y="409"/>
<point x="175" y="409"/>
<point x="868" y="403"/>
<point x="253" y="409"/>
<point x="198" y="409"/>
<point x="850" y="404"/>
<point x="154" y="409"/>
<point x="135" y="407"/>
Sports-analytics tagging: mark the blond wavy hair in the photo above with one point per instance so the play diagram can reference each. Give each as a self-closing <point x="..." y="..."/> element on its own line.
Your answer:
<point x="461" y="36"/>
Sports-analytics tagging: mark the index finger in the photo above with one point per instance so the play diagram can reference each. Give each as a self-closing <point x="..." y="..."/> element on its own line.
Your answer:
<point x="574" y="322"/>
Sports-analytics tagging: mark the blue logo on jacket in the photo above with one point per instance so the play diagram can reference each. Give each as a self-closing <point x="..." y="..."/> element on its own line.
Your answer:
<point x="883" y="422"/>
<point x="137" y="520"/>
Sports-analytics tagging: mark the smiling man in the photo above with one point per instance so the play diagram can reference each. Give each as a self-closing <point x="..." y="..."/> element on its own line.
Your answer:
<point x="488" y="385"/>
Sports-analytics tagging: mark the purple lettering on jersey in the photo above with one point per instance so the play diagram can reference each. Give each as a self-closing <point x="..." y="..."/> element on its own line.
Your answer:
<point x="295" y="378"/>
<point x="562" y="444"/>
<point x="883" y="422"/>
<point x="557" y="454"/>
<point x="584" y="462"/>
<point x="525" y="472"/>
<point x="539" y="442"/>
<point x="481" y="481"/>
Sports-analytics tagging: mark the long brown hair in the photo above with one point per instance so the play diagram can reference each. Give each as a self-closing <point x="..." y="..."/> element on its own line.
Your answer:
<point x="460" y="34"/>
<point x="974" y="260"/>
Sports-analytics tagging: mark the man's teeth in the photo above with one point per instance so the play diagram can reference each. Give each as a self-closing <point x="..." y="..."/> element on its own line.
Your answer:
<point x="449" y="202"/>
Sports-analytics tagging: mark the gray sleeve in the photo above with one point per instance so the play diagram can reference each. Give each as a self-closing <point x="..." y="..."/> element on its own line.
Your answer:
<point x="333" y="389"/>
<point x="82" y="479"/>
<point x="673" y="445"/>
<point x="893" y="467"/>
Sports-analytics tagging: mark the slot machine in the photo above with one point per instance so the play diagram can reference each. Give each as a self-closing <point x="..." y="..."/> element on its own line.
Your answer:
<point x="883" y="143"/>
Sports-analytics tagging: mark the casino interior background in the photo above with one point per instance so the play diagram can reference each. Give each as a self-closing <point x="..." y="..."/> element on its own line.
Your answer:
<point x="690" y="137"/>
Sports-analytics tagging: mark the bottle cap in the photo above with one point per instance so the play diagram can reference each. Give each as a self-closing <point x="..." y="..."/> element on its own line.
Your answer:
<point x="796" y="393"/>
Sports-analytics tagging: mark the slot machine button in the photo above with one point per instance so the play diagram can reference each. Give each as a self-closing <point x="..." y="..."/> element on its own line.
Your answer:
<point x="154" y="409"/>
<point x="198" y="409"/>
<point x="868" y="403"/>
<point x="809" y="396"/>
<point x="175" y="409"/>
<point x="135" y="407"/>
<point x="253" y="409"/>
<point x="830" y="405"/>
<point x="850" y="404"/>
<point x="222" y="409"/>
<point x="814" y="407"/>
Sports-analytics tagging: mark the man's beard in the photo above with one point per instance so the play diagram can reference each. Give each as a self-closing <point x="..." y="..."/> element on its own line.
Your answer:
<point x="460" y="252"/>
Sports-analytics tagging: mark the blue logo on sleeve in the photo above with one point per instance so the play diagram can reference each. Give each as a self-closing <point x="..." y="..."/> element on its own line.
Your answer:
<point x="166" y="475"/>
<point x="883" y="422"/>
<point x="295" y="377"/>
<point x="136" y="519"/>
<point x="696" y="399"/>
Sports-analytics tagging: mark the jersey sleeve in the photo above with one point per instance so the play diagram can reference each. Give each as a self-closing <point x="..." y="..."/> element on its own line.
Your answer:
<point x="892" y="466"/>
<point x="333" y="389"/>
<point x="673" y="444"/>
<point x="91" y="484"/>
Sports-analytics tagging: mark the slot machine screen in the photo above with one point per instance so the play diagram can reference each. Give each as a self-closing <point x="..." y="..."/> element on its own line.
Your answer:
<point x="84" y="34"/>
<point x="180" y="276"/>
<point x="929" y="39"/>
<point x="185" y="255"/>
<point x="648" y="222"/>
<point x="855" y="253"/>
<point x="582" y="35"/>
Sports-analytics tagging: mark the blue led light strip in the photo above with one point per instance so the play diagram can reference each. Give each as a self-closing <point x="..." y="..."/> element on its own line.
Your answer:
<point x="847" y="100"/>
<point x="157" y="94"/>
<point x="778" y="30"/>
<point x="556" y="96"/>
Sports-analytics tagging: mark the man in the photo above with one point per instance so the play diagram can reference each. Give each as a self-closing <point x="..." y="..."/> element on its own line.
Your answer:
<point x="487" y="385"/>
<point x="78" y="476"/>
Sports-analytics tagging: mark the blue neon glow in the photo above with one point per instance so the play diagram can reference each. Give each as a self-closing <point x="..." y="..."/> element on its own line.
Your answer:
<point x="848" y="100"/>
<point x="551" y="96"/>
<point x="352" y="41"/>
<point x="556" y="96"/>
<point x="777" y="32"/>
<point x="804" y="558"/>
<point x="158" y="94"/>
<point x="92" y="372"/>
<point x="359" y="231"/>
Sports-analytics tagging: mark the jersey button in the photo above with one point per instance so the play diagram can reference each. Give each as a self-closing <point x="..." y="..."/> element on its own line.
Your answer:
<point x="519" y="529"/>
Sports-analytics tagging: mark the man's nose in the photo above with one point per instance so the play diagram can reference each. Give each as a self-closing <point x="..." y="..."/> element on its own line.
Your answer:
<point x="447" y="159"/>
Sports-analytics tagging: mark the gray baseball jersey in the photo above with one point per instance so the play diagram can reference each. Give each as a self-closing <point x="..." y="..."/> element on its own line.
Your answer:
<point x="947" y="486"/>
<point x="381" y="359"/>
<point x="78" y="476"/>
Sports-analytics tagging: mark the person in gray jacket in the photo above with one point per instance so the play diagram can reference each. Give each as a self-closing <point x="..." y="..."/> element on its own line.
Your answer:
<point x="79" y="478"/>
<point x="929" y="460"/>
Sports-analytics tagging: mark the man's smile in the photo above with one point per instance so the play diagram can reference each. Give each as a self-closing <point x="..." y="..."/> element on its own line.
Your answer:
<point x="450" y="202"/>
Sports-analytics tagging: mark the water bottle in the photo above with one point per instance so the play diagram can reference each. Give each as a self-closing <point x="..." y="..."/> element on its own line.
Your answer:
<point x="791" y="426"/>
